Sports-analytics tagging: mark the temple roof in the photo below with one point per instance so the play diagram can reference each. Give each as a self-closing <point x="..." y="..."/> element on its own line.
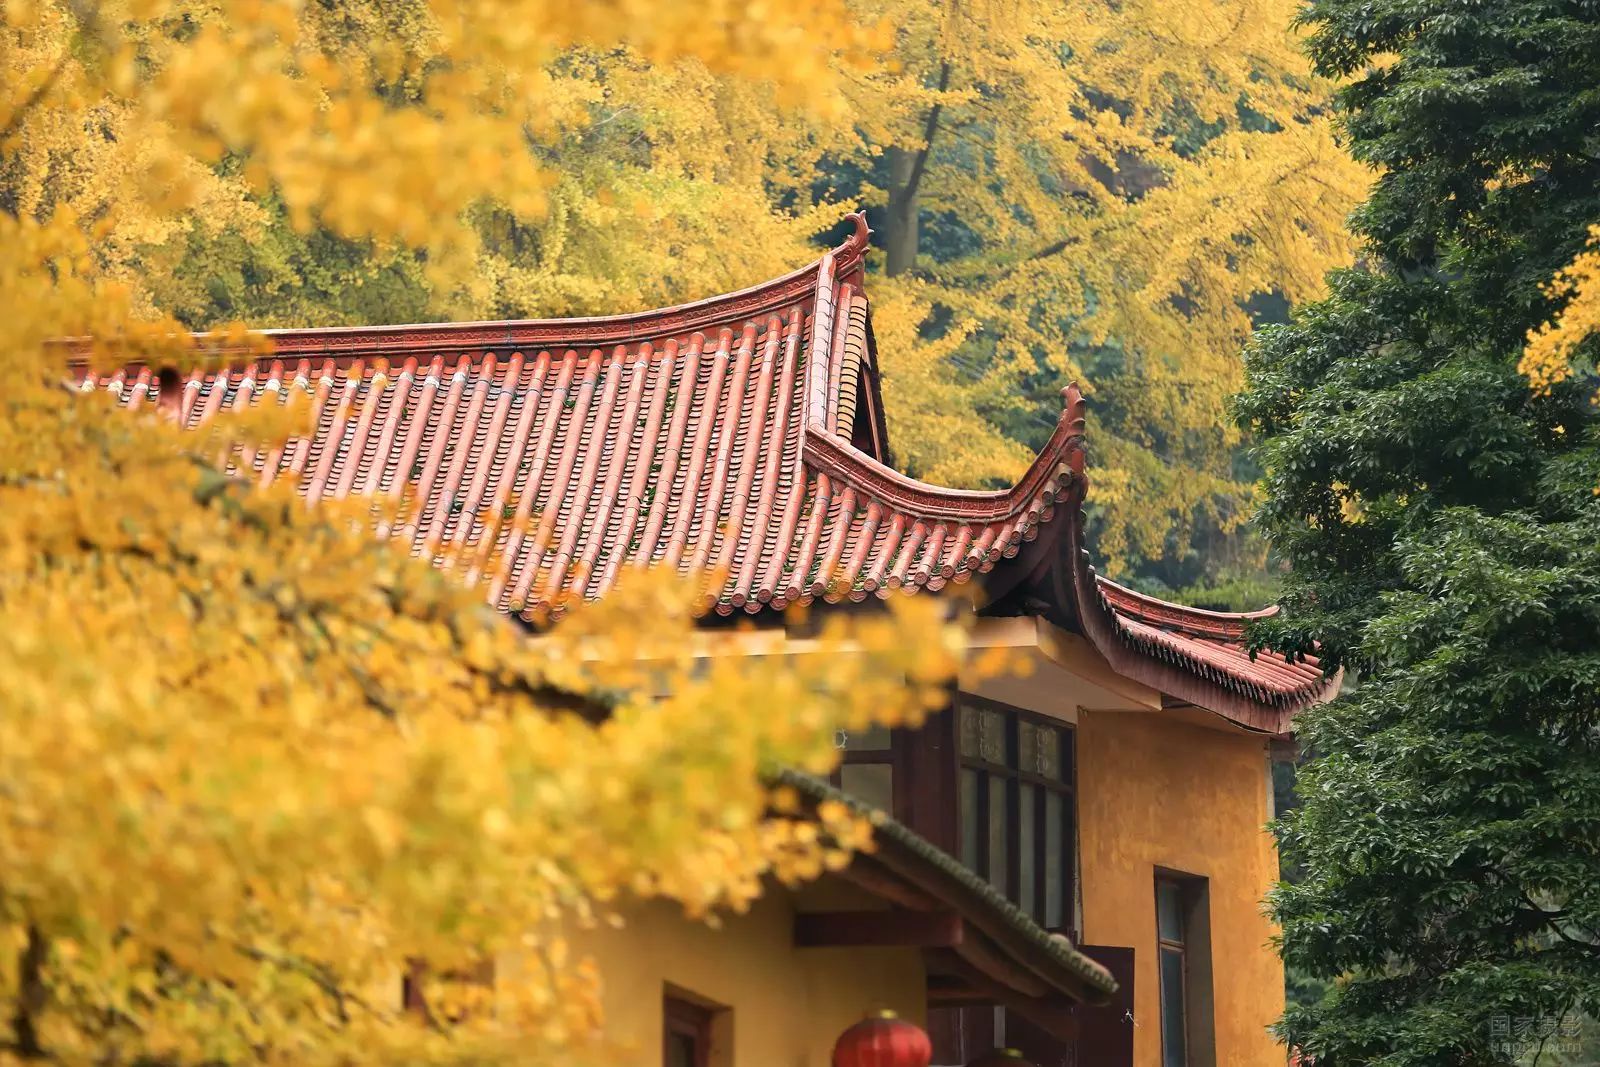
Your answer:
<point x="740" y="437"/>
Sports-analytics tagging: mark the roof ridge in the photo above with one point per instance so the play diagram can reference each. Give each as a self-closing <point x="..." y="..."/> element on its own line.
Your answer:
<point x="339" y="345"/>
<point x="838" y="276"/>
<point x="1160" y="612"/>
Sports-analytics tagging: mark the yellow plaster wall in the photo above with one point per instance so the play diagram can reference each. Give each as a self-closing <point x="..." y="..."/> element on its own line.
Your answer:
<point x="1154" y="792"/>
<point x="788" y="1005"/>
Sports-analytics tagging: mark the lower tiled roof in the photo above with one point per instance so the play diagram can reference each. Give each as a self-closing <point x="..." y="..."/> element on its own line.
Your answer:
<point x="1051" y="956"/>
<point x="1213" y="645"/>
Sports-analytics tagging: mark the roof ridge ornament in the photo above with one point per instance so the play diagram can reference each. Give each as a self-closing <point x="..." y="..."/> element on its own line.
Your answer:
<point x="1073" y="417"/>
<point x="859" y="239"/>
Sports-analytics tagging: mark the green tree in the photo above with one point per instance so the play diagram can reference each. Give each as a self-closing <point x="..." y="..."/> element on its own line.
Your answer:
<point x="1444" y="528"/>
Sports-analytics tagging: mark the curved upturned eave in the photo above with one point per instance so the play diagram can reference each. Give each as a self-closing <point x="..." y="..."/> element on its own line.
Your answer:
<point x="1141" y="605"/>
<point x="1059" y="459"/>
<point x="1259" y="692"/>
<point x="871" y="530"/>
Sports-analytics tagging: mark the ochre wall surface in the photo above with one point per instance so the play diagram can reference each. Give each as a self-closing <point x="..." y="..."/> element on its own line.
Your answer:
<point x="1154" y="792"/>
<point x="788" y="1005"/>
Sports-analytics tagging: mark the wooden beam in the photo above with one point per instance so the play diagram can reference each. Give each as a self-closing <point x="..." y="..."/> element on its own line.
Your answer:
<point x="946" y="991"/>
<point x="993" y="945"/>
<point x="1000" y="968"/>
<point x="1055" y="1014"/>
<point x="986" y="952"/>
<point x="870" y="875"/>
<point x="905" y="929"/>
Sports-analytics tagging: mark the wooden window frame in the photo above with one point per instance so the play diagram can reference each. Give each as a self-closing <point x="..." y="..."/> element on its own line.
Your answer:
<point x="866" y="755"/>
<point x="1194" y="948"/>
<point x="683" y="1018"/>
<point x="1014" y="776"/>
<point x="889" y="756"/>
<point x="1166" y="946"/>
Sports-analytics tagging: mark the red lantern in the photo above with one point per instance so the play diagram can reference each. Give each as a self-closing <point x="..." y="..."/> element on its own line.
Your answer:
<point x="1001" y="1057"/>
<point x="883" y="1040"/>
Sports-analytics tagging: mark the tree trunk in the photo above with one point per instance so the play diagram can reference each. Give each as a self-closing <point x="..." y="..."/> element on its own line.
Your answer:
<point x="900" y="229"/>
<point x="906" y="169"/>
<point x="31" y="995"/>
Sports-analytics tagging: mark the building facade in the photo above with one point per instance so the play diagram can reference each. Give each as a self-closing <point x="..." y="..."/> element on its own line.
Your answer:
<point x="1074" y="856"/>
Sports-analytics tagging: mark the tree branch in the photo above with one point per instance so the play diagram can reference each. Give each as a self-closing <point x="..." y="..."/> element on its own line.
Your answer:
<point x="342" y="998"/>
<point x="1551" y="919"/>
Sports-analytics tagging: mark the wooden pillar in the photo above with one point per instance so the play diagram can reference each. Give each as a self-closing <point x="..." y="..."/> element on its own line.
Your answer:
<point x="925" y="778"/>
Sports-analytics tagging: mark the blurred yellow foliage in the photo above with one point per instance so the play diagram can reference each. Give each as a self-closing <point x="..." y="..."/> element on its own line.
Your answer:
<point x="252" y="759"/>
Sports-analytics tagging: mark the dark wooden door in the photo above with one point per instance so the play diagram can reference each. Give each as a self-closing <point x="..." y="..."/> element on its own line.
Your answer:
<point x="1039" y="1047"/>
<point x="1106" y="1036"/>
<point x="686" y="1034"/>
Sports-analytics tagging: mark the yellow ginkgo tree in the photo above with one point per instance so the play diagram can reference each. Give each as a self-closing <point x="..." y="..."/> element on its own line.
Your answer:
<point x="253" y="760"/>
<point x="1103" y="192"/>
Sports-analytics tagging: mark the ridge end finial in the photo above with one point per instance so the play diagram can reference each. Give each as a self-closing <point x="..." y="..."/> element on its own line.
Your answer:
<point x="1072" y="402"/>
<point x="857" y="241"/>
<point x="1072" y="418"/>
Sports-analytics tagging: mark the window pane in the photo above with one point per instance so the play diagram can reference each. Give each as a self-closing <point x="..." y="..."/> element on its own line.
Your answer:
<point x="870" y="783"/>
<point x="1169" y="911"/>
<point x="1173" y="1046"/>
<point x="1049" y="764"/>
<point x="1027" y="859"/>
<point x="1064" y="761"/>
<point x="967" y="730"/>
<point x="868" y="739"/>
<point x="999" y="823"/>
<point x="1029" y="738"/>
<point x="1055" y="892"/>
<point x="681" y="1051"/>
<point x="1039" y="749"/>
<point x="864" y="739"/>
<point x="992" y="736"/>
<point x="971" y="828"/>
